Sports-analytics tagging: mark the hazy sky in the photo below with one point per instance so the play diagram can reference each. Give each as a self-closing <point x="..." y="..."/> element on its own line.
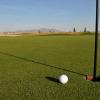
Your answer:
<point x="34" y="14"/>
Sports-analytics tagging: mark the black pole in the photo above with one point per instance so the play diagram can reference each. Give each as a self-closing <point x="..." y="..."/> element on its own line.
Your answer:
<point x="96" y="40"/>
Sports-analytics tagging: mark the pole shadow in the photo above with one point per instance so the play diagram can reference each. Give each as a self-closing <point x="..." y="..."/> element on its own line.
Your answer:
<point x="34" y="61"/>
<point x="52" y="79"/>
<point x="97" y="79"/>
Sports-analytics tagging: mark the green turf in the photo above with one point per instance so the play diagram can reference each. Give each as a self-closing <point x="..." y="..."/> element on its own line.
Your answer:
<point x="30" y="65"/>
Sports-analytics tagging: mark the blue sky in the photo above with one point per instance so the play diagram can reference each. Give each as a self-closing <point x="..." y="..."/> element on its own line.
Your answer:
<point x="59" y="14"/>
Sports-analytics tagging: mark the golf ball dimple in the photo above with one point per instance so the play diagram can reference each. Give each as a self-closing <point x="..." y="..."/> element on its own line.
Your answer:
<point x="63" y="79"/>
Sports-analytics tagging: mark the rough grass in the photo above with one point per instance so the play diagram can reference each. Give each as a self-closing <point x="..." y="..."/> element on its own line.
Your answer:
<point x="29" y="67"/>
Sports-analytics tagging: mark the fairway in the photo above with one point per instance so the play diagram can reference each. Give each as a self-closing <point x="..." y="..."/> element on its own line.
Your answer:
<point x="30" y="65"/>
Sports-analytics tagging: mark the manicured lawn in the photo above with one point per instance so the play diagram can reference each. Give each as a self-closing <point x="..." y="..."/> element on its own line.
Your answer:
<point x="30" y="65"/>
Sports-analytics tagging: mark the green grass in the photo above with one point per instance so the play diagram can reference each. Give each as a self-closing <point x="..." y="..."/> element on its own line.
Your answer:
<point x="26" y="62"/>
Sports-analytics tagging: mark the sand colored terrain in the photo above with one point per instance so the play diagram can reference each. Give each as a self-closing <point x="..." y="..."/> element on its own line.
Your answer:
<point x="37" y="33"/>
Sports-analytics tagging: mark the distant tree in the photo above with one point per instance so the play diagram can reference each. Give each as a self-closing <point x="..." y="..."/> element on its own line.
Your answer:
<point x="39" y="31"/>
<point x="74" y="30"/>
<point x="85" y="29"/>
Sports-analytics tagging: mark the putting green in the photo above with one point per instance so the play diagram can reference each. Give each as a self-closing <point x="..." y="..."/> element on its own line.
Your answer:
<point x="30" y="66"/>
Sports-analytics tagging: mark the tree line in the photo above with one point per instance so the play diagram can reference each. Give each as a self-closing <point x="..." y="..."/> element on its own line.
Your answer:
<point x="74" y="30"/>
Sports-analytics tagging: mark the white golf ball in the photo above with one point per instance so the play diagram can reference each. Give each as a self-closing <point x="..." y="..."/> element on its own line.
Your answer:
<point x="63" y="79"/>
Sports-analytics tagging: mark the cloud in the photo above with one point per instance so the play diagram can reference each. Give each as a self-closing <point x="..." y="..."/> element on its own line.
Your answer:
<point x="8" y="15"/>
<point x="12" y="11"/>
<point x="13" y="7"/>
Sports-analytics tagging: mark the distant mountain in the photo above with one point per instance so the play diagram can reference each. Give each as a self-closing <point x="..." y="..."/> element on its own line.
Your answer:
<point x="40" y="30"/>
<point x="48" y="30"/>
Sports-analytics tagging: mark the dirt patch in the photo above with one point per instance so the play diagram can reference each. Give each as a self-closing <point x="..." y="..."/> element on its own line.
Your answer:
<point x="9" y="35"/>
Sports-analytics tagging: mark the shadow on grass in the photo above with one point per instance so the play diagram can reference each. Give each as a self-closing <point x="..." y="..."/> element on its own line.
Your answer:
<point x="52" y="79"/>
<point x="97" y="79"/>
<point x="34" y="61"/>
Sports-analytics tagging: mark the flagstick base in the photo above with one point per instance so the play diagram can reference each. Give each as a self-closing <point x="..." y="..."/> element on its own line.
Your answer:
<point x="88" y="77"/>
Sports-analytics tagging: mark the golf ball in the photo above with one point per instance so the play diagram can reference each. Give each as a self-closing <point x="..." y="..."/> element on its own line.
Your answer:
<point x="63" y="79"/>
